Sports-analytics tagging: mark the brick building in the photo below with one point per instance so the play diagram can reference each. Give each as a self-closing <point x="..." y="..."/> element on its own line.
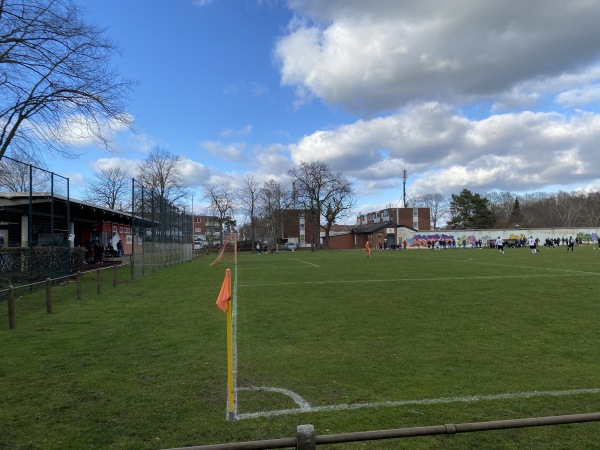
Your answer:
<point x="417" y="218"/>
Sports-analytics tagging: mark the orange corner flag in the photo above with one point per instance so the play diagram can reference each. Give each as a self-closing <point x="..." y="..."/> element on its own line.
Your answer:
<point x="225" y="294"/>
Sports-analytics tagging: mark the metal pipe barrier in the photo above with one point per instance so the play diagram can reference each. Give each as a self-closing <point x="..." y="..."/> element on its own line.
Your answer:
<point x="307" y="440"/>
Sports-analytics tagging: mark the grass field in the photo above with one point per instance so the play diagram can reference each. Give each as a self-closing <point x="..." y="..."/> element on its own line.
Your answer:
<point x="333" y="339"/>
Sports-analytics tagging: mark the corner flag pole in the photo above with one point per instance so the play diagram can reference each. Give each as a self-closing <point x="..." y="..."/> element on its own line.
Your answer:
<point x="230" y="392"/>
<point x="224" y="304"/>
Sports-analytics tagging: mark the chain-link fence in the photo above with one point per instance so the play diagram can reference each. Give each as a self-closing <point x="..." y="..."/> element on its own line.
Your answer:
<point x="34" y="223"/>
<point x="44" y="233"/>
<point x="163" y="231"/>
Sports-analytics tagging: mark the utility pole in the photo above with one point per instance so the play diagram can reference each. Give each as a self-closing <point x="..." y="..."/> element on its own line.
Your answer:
<point x="404" y="176"/>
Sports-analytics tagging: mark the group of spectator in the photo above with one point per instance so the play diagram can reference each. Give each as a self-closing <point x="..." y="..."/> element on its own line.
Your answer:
<point x="556" y="242"/>
<point x="443" y="243"/>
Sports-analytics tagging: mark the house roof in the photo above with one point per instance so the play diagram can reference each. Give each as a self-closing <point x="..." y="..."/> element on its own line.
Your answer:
<point x="14" y="205"/>
<point x="378" y="226"/>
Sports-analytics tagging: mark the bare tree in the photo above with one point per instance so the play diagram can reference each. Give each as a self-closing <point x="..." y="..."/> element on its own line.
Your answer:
<point x="221" y="201"/>
<point x="109" y="187"/>
<point x="316" y="185"/>
<point x="501" y="204"/>
<point x="274" y="199"/>
<point x="338" y="205"/>
<point x="56" y="76"/>
<point x="438" y="205"/>
<point x="161" y="172"/>
<point x="248" y="196"/>
<point x="16" y="176"/>
<point x="592" y="209"/>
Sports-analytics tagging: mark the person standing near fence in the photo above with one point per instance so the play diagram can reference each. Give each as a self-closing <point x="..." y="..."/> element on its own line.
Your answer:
<point x="119" y="248"/>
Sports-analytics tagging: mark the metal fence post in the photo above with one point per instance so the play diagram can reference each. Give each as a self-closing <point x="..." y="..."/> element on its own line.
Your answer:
<point x="305" y="437"/>
<point x="48" y="296"/>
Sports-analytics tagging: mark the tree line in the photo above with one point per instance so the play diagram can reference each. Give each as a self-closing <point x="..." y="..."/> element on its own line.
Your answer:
<point x="508" y="210"/>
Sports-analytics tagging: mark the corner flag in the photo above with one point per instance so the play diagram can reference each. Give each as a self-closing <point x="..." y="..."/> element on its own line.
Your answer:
<point x="225" y="294"/>
<point x="223" y="303"/>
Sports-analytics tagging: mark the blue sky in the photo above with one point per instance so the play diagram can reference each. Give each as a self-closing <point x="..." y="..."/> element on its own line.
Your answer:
<point x="487" y="95"/>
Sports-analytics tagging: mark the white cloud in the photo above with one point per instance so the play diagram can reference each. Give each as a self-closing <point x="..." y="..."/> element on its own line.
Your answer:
<point x="376" y="55"/>
<point x="142" y="142"/>
<point x="195" y="173"/>
<point x="226" y="151"/>
<point x="80" y="131"/>
<point x="579" y="97"/>
<point x="446" y="152"/>
<point x="108" y="163"/>
<point x="244" y="131"/>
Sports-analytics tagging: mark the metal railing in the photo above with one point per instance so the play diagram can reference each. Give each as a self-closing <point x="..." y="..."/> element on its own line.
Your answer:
<point x="306" y="439"/>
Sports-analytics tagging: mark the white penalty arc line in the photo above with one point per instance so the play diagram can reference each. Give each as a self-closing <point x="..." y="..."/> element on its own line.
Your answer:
<point x="304" y="406"/>
<point x="392" y="280"/>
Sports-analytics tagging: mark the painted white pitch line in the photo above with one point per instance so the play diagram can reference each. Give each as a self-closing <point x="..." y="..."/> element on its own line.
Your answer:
<point x="431" y="401"/>
<point x="302" y="404"/>
<point x="234" y="340"/>
<point x="305" y="262"/>
<point x="422" y="279"/>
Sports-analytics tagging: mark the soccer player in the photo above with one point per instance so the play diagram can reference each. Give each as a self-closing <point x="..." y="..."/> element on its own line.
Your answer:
<point x="368" y="249"/>
<point x="570" y="244"/>
<point x="531" y="243"/>
<point x="500" y="245"/>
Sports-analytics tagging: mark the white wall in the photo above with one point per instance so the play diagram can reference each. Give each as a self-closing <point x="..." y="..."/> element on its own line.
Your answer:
<point x="469" y="237"/>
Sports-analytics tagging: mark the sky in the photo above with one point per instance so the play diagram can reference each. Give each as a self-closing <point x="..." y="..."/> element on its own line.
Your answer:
<point x="486" y="95"/>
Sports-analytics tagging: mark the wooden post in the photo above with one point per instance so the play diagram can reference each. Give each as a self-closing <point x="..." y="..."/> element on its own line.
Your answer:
<point x="98" y="288"/>
<point x="11" y="308"/>
<point x="78" y="285"/>
<point x="305" y="437"/>
<point x="115" y="275"/>
<point x="48" y="296"/>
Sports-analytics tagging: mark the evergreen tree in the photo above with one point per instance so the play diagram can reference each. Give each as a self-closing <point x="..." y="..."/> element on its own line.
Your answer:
<point x="470" y="210"/>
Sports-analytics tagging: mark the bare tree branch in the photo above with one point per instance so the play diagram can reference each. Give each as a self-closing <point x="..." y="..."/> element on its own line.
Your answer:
<point x="56" y="77"/>
<point x="110" y="187"/>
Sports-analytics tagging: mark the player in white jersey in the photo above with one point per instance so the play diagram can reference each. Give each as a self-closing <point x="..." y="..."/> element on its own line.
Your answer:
<point x="532" y="246"/>
<point x="500" y="244"/>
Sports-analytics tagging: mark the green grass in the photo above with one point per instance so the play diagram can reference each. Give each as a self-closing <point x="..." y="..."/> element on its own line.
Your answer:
<point x="143" y="366"/>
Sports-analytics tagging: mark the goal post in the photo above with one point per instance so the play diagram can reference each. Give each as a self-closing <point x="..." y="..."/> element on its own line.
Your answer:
<point x="229" y="248"/>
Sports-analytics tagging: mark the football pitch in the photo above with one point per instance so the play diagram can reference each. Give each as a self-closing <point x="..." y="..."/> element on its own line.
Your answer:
<point x="333" y="339"/>
<point x="471" y="330"/>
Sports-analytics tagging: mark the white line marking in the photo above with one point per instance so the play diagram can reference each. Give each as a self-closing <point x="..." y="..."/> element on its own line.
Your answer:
<point x="421" y="279"/>
<point x="432" y="401"/>
<point x="305" y="262"/>
<point x="234" y="340"/>
<point x="302" y="404"/>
